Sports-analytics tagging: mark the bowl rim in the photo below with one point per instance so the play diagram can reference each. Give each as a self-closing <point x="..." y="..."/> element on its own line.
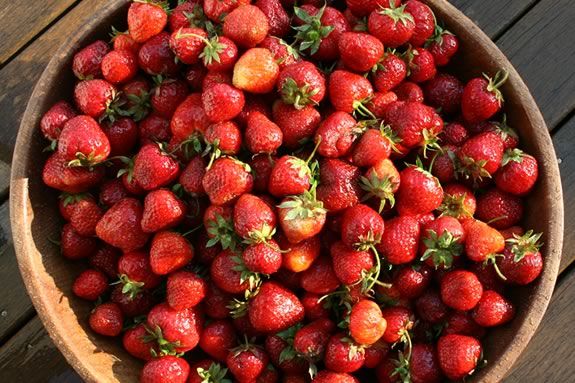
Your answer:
<point x="19" y="204"/>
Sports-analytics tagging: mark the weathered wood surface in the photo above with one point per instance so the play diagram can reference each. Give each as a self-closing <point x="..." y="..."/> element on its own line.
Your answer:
<point x="20" y="24"/>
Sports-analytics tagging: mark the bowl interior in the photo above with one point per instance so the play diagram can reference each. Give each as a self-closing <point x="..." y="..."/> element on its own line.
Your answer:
<point x="49" y="277"/>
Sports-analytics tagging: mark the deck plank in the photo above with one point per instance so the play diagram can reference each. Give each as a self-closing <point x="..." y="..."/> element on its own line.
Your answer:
<point x="35" y="16"/>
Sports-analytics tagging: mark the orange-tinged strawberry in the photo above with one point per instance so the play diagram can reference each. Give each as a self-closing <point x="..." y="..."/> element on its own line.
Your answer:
<point x="483" y="243"/>
<point x="366" y="322"/>
<point x="299" y="257"/>
<point x="256" y="71"/>
<point x="227" y="180"/>
<point x="169" y="251"/>
<point x="301" y="217"/>
<point x="244" y="34"/>
<point x="145" y="20"/>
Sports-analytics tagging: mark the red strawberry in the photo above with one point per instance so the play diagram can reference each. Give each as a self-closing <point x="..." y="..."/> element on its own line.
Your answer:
<point x="247" y="362"/>
<point x="421" y="65"/>
<point x="165" y="369"/>
<point x="162" y="210"/>
<point x="216" y="10"/>
<point x="458" y="355"/>
<point x="253" y="218"/>
<point x="254" y="104"/>
<point x="290" y="176"/>
<point x="86" y="62"/>
<point x="282" y="354"/>
<point x="107" y="319"/>
<point x="156" y="58"/>
<point x="424" y="20"/>
<point x="284" y="54"/>
<point x="55" y="118"/>
<point x="311" y="340"/>
<point x="274" y="308"/>
<point x="349" y="92"/>
<point x="431" y="308"/>
<point x="365" y="7"/>
<point x="134" y="302"/>
<point x="461" y="290"/>
<point x="246" y="35"/>
<point x="399" y="322"/>
<point x="262" y="166"/>
<point x="216" y="303"/>
<point x="134" y="341"/>
<point x="409" y="91"/>
<point x="389" y="73"/>
<point x="500" y="209"/>
<point x="301" y="84"/>
<point x="90" y="284"/>
<point x="458" y="201"/>
<point x="419" y="192"/>
<point x="361" y="227"/>
<point x="482" y="98"/>
<point x="207" y="371"/>
<point x="373" y="146"/>
<point x="169" y="251"/>
<point x="184" y="290"/>
<point x="481" y="155"/>
<point x="153" y="168"/>
<point x="278" y="18"/>
<point x="85" y="217"/>
<point x="120" y="225"/>
<point x="222" y="102"/>
<point x="217" y="338"/>
<point x="360" y="52"/>
<point x="136" y="272"/>
<point x="424" y="365"/>
<point x="415" y="124"/>
<point x="400" y="240"/>
<point x="222" y="138"/>
<point x="58" y="175"/>
<point x="264" y="258"/>
<point x="507" y="133"/>
<point x="95" y="97"/>
<point x="335" y="135"/>
<point x="343" y="355"/>
<point x="339" y="185"/>
<point x="83" y="142"/>
<point x="297" y="125"/>
<point x="105" y="259"/>
<point x="454" y="134"/>
<point x="220" y="54"/>
<point x="145" y="20"/>
<point x="226" y="180"/>
<point x="381" y="102"/>
<point x="492" y="310"/>
<point x="122" y="134"/>
<point x="186" y="14"/>
<point x="442" y="45"/>
<point x="351" y="266"/>
<point x="366" y="322"/>
<point x="175" y="330"/>
<point x="256" y="71"/>
<point x="326" y="376"/>
<point x="314" y="307"/>
<point x="122" y="41"/>
<point x="319" y="31"/>
<point x="320" y="278"/>
<point x="392" y="25"/>
<point x="188" y="44"/>
<point x="442" y="241"/>
<point x="381" y="181"/>
<point x="518" y="173"/>
<point x="189" y="119"/>
<point x="412" y="281"/>
<point x="483" y="243"/>
<point x="74" y="246"/>
<point x="119" y="66"/>
<point x="191" y="177"/>
<point x="522" y="262"/>
<point x="262" y="135"/>
<point x="167" y="96"/>
<point x="461" y="323"/>
<point x="444" y="91"/>
<point x="375" y="354"/>
<point x="226" y="273"/>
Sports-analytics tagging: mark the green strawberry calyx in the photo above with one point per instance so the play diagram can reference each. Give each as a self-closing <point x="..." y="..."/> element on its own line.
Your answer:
<point x="214" y="374"/>
<point x="303" y="206"/>
<point x="441" y="248"/>
<point x="513" y="155"/>
<point x="129" y="287"/>
<point x="165" y="347"/>
<point x="454" y="206"/>
<point x="222" y="231"/>
<point x="312" y="32"/>
<point x="299" y="97"/>
<point x="397" y="14"/>
<point x="522" y="245"/>
<point x="493" y="84"/>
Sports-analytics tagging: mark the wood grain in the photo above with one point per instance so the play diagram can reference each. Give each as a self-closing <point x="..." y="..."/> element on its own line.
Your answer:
<point x="20" y="23"/>
<point x="542" y="48"/>
<point x="30" y="356"/>
<point x="549" y="356"/>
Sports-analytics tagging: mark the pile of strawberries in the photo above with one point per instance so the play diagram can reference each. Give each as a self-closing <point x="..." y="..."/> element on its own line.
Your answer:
<point x="276" y="193"/>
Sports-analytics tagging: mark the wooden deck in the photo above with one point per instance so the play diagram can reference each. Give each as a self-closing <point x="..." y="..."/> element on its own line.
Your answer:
<point x="536" y="35"/>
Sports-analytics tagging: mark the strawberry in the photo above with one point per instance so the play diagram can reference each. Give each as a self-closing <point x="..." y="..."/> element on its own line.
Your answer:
<point x="186" y="14"/>
<point x="461" y="290"/>
<point x="282" y="353"/>
<point x="339" y="185"/>
<point x="458" y="355"/>
<point x="481" y="155"/>
<point x="360" y="52"/>
<point x="120" y="225"/>
<point x="412" y="281"/>
<point x="122" y="41"/>
<point x="153" y="168"/>
<point x="85" y="217"/>
<point x="217" y="338"/>
<point x="320" y="277"/>
<point x="444" y="91"/>
<point x="216" y="303"/>
<point x="326" y="376"/>
<point x="253" y="219"/>
<point x="301" y="217"/>
<point x="169" y="251"/>
<point x="222" y="102"/>
<point x="207" y="371"/>
<point x="366" y="322"/>
<point x="421" y="65"/>
<point x="256" y="71"/>
<point x="482" y="98"/>
<point x="500" y="209"/>
<point x="335" y="135"/>
<point x="522" y="262"/>
<point x="492" y="310"/>
<point x="136" y="273"/>
<point x="361" y="227"/>
<point x="274" y="308"/>
<point x="122" y="134"/>
<point x="415" y="124"/>
<point x="175" y="330"/>
<point x="343" y="355"/>
<point x="166" y="97"/>
<point x="351" y="266"/>
<point x="431" y="308"/>
<point x="284" y="54"/>
<point x="107" y="319"/>
<point x="380" y="102"/>
<point x="419" y="192"/>
<point x="454" y="134"/>
<point x="400" y="240"/>
<point x="90" y="284"/>
<point x="145" y="20"/>
<point x="311" y="340"/>
<point x="483" y="243"/>
<point x="507" y="133"/>
<point x="443" y="164"/>
<point x="246" y="362"/>
<point x="314" y="306"/>
<point x="74" y="246"/>
<point x="380" y="182"/>
<point x="165" y="369"/>
<point x="301" y="84"/>
<point x="156" y="58"/>
<point x="105" y="259"/>
<point x="399" y="322"/>
<point x="424" y="365"/>
<point x="262" y="135"/>
<point x="95" y="98"/>
<point x="189" y="119"/>
<point x="392" y="25"/>
<point x="220" y="54"/>
<point x="86" y="63"/>
<point x="442" y="45"/>
<point x="299" y="256"/>
<point x="409" y="91"/>
<point x="83" y="142"/>
<point x="218" y="221"/>
<point x="229" y="274"/>
<point x="264" y="258"/>
<point x="349" y="92"/>
<point x="518" y="172"/>
<point x="424" y="20"/>
<point x="215" y="77"/>
<point x="134" y="341"/>
<point x="246" y="35"/>
<point x="184" y="290"/>
<point x="363" y="8"/>
<point x="296" y="125"/>
<point x="442" y="241"/>
<point x="291" y="176"/>
<point x="375" y="354"/>
<point x="154" y="128"/>
<point x="262" y="166"/>
<point x="58" y="175"/>
<point x="278" y="18"/>
<point x="222" y="138"/>
<point x="162" y="210"/>
<point x="188" y="43"/>
<point x="458" y="202"/>
<point x="191" y="177"/>
<point x="461" y="323"/>
<point x="216" y="10"/>
<point x="119" y="66"/>
<point x="254" y="104"/>
<point x="319" y="31"/>
<point x="133" y="303"/>
<point x="54" y="120"/>
<point x="373" y="146"/>
<point x="226" y="180"/>
<point x="389" y="73"/>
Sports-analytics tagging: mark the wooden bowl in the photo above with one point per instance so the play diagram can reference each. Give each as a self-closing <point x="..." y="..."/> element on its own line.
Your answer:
<point x="48" y="276"/>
